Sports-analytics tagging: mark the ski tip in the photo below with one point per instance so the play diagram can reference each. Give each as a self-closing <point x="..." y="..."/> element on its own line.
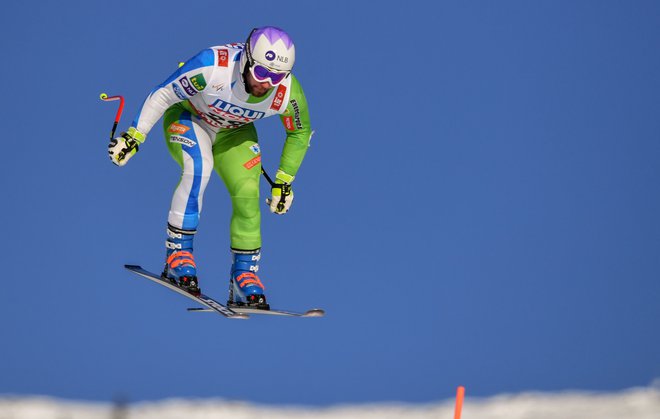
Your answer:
<point x="132" y="267"/>
<point x="315" y="312"/>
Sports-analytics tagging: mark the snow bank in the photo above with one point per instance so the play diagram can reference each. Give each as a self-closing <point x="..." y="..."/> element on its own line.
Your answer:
<point x="637" y="403"/>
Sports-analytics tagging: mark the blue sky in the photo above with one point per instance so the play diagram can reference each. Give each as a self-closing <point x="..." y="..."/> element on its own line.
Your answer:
<point x="479" y="205"/>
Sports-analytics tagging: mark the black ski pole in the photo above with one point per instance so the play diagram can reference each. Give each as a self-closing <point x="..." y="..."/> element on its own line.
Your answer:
<point x="263" y="172"/>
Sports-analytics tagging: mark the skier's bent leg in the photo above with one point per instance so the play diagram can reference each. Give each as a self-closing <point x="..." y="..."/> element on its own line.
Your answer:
<point x="190" y="146"/>
<point x="245" y="285"/>
<point x="238" y="162"/>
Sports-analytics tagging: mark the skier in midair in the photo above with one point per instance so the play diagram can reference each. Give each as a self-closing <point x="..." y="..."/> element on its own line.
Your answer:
<point x="209" y="106"/>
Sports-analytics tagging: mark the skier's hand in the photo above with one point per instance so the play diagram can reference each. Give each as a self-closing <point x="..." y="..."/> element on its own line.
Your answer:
<point x="122" y="148"/>
<point x="282" y="195"/>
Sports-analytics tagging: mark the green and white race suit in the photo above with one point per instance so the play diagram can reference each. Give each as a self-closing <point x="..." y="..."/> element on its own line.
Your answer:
<point x="209" y="124"/>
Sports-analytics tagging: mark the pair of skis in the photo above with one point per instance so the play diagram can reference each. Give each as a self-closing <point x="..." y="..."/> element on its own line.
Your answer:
<point x="212" y="305"/>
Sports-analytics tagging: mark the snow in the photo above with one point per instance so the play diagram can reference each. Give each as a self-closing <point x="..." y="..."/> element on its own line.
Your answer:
<point x="636" y="403"/>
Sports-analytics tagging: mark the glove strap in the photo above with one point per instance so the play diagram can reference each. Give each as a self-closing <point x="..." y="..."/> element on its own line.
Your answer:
<point x="284" y="177"/>
<point x="136" y="135"/>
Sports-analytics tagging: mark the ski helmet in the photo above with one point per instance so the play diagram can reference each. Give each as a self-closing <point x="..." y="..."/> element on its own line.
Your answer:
<point x="270" y="47"/>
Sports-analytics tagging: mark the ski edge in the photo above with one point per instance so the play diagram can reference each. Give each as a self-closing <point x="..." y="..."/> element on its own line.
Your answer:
<point x="314" y="312"/>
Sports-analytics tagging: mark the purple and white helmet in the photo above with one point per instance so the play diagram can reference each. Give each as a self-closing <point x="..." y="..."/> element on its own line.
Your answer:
<point x="270" y="47"/>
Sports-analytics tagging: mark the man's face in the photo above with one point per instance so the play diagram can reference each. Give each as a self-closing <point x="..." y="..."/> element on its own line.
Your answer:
<point x="257" y="88"/>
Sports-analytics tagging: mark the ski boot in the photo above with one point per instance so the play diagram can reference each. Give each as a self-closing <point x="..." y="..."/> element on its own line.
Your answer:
<point x="245" y="288"/>
<point x="180" y="266"/>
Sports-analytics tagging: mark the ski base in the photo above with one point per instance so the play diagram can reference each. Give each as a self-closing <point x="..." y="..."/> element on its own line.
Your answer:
<point x="315" y="312"/>
<point x="212" y="305"/>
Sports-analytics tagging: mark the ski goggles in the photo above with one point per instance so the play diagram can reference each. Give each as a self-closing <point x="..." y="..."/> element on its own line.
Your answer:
<point x="262" y="73"/>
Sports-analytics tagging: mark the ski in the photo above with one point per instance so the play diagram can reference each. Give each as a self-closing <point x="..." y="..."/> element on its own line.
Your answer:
<point x="212" y="305"/>
<point x="205" y="300"/>
<point x="315" y="312"/>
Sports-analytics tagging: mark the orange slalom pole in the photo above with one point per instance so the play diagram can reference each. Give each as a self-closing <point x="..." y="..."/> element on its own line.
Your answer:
<point x="460" y="394"/>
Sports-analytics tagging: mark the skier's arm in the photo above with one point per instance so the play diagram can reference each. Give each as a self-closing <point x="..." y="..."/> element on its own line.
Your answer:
<point x="298" y="135"/>
<point x="298" y="132"/>
<point x="184" y="83"/>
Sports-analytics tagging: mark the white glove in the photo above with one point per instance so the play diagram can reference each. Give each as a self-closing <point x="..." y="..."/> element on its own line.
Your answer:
<point x="122" y="148"/>
<point x="282" y="195"/>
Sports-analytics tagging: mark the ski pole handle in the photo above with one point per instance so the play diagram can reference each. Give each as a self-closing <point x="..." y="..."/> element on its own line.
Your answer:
<point x="107" y="98"/>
